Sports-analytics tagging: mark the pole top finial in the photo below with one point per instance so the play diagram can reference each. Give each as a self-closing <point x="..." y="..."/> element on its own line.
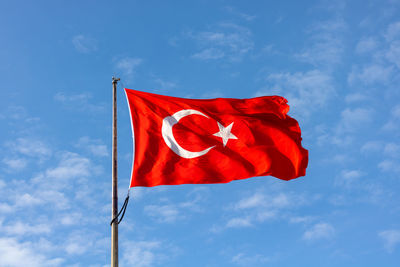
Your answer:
<point x="114" y="80"/>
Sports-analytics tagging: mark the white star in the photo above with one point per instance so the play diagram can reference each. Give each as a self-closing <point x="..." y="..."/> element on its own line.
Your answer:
<point x="225" y="133"/>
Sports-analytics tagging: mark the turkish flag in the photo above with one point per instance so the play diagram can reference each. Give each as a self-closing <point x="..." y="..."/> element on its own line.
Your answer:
<point x="202" y="141"/>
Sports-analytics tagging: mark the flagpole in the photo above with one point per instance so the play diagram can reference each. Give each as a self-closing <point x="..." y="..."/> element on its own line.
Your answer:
<point x="114" y="209"/>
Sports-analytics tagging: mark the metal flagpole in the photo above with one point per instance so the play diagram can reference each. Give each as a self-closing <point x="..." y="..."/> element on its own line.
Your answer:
<point x="114" y="210"/>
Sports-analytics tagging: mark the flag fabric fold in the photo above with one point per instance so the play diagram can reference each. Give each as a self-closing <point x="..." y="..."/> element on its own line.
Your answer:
<point x="201" y="141"/>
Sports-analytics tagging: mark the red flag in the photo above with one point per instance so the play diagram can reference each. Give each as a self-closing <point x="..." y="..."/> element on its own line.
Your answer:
<point x="198" y="141"/>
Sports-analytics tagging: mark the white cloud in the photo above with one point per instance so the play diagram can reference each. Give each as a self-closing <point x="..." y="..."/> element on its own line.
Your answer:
<point x="370" y="74"/>
<point x="351" y="174"/>
<point x="319" y="231"/>
<point x="80" y="98"/>
<point x="19" y="228"/>
<point x="77" y="244"/>
<point x="326" y="44"/>
<point x="170" y="213"/>
<point x="353" y="119"/>
<point x="71" y="166"/>
<point x="389" y="165"/>
<point x="259" y="200"/>
<point x="348" y="177"/>
<point x="54" y="185"/>
<point x="79" y="102"/>
<point x="259" y="208"/>
<point x="242" y="259"/>
<point x="163" y="213"/>
<point x="392" y="149"/>
<point x="140" y="254"/>
<point x="393" y="31"/>
<point x="73" y="218"/>
<point x="17" y="254"/>
<point x="396" y="111"/>
<point x="239" y="223"/>
<point x="355" y="97"/>
<point x="15" y="164"/>
<point x="94" y="146"/>
<point x="84" y="44"/>
<point x="256" y="200"/>
<point x="146" y="253"/>
<point x="366" y="45"/>
<point x="209" y="53"/>
<point x="127" y="66"/>
<point x="391" y="239"/>
<point x="26" y="200"/>
<point x="301" y="219"/>
<point x="5" y="208"/>
<point x="228" y="41"/>
<point x="29" y="147"/>
<point x="164" y="85"/>
<point x="371" y="147"/>
<point x="393" y="53"/>
<point x="393" y="123"/>
<point x="240" y="14"/>
<point x="85" y="241"/>
<point x="15" y="113"/>
<point x="306" y="91"/>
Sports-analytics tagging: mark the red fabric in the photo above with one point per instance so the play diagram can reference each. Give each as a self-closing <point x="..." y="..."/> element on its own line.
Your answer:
<point x="268" y="141"/>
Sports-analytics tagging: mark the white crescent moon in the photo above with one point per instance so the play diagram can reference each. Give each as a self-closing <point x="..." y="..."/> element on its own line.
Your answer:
<point x="166" y="130"/>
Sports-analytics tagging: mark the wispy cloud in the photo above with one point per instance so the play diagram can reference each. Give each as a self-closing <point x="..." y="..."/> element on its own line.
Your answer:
<point x="21" y="254"/>
<point x="209" y="53"/>
<point x="229" y="41"/>
<point x="318" y="231"/>
<point x="77" y="244"/>
<point x="239" y="222"/>
<point x="389" y="165"/>
<point x="30" y="147"/>
<point x="127" y="66"/>
<point x="393" y="53"/>
<point x="79" y="102"/>
<point x="71" y="166"/>
<point x="370" y="74"/>
<point x="147" y="253"/>
<point x="47" y="196"/>
<point x="394" y="120"/>
<point x="166" y="212"/>
<point x="392" y="150"/>
<point x="306" y="92"/>
<point x="354" y="118"/>
<point x="17" y="113"/>
<point x="371" y="147"/>
<point x="391" y="239"/>
<point x="258" y="208"/>
<point x="141" y="254"/>
<point x="234" y="11"/>
<point x="393" y="31"/>
<point x="326" y="46"/>
<point x="84" y="44"/>
<point x="348" y="177"/>
<point x="51" y="187"/>
<point x="366" y="45"/>
<point x="243" y="259"/>
<point x="19" y="228"/>
<point x="302" y="219"/>
<point x="355" y="97"/>
<point x="22" y="151"/>
<point x="95" y="146"/>
<point x="165" y="84"/>
<point x="15" y="164"/>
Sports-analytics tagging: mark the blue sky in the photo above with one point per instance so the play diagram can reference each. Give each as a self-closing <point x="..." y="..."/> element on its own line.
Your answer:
<point x="337" y="62"/>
